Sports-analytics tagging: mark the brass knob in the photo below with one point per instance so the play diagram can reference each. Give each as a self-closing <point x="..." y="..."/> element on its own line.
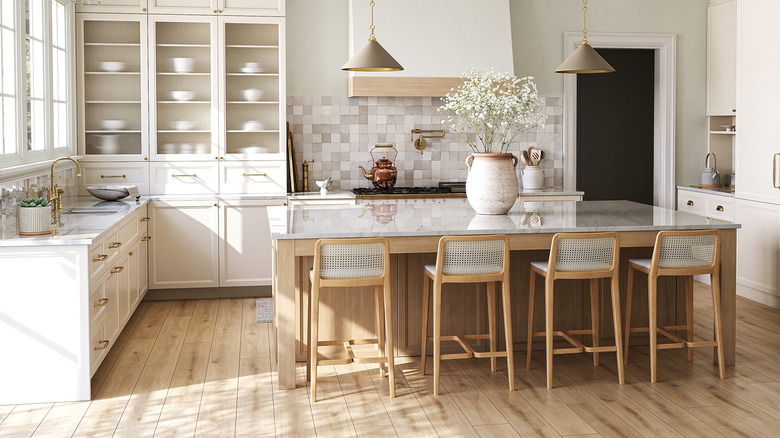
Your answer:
<point x="103" y="344"/>
<point x="117" y="269"/>
<point x="101" y="302"/>
<point x="100" y="258"/>
<point x="719" y="208"/>
<point x="690" y="203"/>
<point x="144" y="9"/>
<point x="146" y="158"/>
<point x="131" y="253"/>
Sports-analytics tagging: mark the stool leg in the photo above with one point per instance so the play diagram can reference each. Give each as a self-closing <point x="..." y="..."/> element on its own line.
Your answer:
<point x="425" y="305"/>
<point x="315" y="324"/>
<point x="652" y="285"/>
<point x="491" y="303"/>
<point x="715" y="282"/>
<point x="510" y="359"/>
<point x="379" y="305"/>
<point x="531" y="293"/>
<point x="308" y="333"/>
<point x="436" y="334"/>
<point x="615" y="289"/>
<point x="629" y="295"/>
<point x="594" y="317"/>
<point x="689" y="312"/>
<point x="548" y="322"/>
<point x="388" y="304"/>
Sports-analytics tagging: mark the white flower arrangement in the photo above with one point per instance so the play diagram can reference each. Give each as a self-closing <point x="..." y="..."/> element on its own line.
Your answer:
<point x="494" y="106"/>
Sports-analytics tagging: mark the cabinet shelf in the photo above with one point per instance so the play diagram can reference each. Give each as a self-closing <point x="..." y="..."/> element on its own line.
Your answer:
<point x="206" y="46"/>
<point x="245" y="102"/>
<point x="134" y="73"/>
<point x="251" y="46"/>
<point x="723" y="132"/>
<point x="113" y="101"/>
<point x="253" y="74"/>
<point x="183" y="131"/>
<point x="118" y="131"/>
<point x="184" y="101"/>
<point x="246" y="131"/>
<point x="114" y="44"/>
<point x="169" y="73"/>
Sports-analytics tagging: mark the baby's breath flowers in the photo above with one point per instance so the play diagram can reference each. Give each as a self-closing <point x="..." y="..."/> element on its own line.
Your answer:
<point x="494" y="106"/>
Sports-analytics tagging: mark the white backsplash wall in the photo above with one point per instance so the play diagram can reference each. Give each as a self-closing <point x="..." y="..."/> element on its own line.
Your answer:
<point x="338" y="133"/>
<point x="12" y="191"/>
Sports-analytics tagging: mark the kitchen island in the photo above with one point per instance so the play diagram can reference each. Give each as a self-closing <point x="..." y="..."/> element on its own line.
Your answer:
<point x="414" y="230"/>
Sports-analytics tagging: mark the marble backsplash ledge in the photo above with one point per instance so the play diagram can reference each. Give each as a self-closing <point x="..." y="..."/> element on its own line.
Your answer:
<point x="13" y="190"/>
<point x="338" y="132"/>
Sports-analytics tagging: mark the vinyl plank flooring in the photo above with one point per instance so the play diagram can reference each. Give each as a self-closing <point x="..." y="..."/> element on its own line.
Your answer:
<point x="24" y="419"/>
<point x="142" y="413"/>
<point x="62" y="419"/>
<point x="204" y="319"/>
<point x="152" y="320"/>
<point x="255" y="398"/>
<point x="169" y="343"/>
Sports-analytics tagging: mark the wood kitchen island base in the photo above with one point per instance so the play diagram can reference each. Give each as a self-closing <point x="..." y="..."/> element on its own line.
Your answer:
<point x="637" y="224"/>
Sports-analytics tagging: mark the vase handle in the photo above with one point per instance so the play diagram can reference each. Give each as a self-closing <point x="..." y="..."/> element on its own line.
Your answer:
<point x="469" y="161"/>
<point x="514" y="161"/>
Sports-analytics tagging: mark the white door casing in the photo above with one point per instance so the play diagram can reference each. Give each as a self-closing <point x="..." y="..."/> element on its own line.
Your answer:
<point x="664" y="46"/>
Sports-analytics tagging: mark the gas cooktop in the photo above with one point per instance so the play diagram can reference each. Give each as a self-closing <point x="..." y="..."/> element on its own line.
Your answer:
<point x="401" y="191"/>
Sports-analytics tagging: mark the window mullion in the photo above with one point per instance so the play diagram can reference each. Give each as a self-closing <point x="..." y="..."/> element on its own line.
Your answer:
<point x="48" y="88"/>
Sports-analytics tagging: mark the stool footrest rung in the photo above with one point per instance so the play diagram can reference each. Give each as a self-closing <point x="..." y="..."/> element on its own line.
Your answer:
<point x="670" y="346"/>
<point x="577" y="346"/>
<point x="607" y="349"/>
<point x="674" y="338"/>
<point x="351" y="358"/>
<point x="468" y="350"/>
<point x="702" y="344"/>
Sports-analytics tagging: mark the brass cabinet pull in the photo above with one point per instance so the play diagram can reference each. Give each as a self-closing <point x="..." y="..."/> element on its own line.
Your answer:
<point x="719" y="208"/>
<point x="146" y="238"/>
<point x="255" y="174"/>
<point x="103" y="344"/>
<point x="117" y="269"/>
<point x="101" y="302"/>
<point x="113" y="176"/>
<point x="690" y="203"/>
<point x="144" y="219"/>
<point x="182" y="176"/>
<point x="115" y="245"/>
<point x="774" y="171"/>
<point x="100" y="258"/>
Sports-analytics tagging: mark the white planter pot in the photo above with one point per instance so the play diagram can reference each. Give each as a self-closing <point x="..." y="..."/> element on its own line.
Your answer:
<point x="491" y="185"/>
<point x="34" y="221"/>
<point x="533" y="178"/>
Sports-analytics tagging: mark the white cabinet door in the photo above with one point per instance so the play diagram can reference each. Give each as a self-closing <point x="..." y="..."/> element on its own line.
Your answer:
<point x="721" y="59"/>
<point x="758" y="247"/>
<point x="183" y="6"/>
<point x="758" y="138"/>
<point x="252" y="7"/>
<point x="184" y="249"/>
<point x="113" y="6"/>
<point x="183" y="116"/>
<point x="245" y="253"/>
<point x="113" y="87"/>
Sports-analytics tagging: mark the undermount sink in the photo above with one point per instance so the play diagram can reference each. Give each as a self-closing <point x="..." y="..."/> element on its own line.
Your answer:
<point x="87" y="210"/>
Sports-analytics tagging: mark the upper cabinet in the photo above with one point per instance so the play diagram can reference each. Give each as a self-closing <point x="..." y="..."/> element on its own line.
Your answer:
<point x="112" y="6"/>
<point x="112" y="86"/>
<point x="226" y="7"/>
<point x="722" y="58"/>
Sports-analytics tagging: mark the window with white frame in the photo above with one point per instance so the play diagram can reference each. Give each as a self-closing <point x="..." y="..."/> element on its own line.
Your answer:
<point x="36" y="47"/>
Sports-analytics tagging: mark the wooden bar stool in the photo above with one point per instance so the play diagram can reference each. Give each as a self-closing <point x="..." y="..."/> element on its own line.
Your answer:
<point x="678" y="253"/>
<point x="578" y="256"/>
<point x="352" y="263"/>
<point x="468" y="259"/>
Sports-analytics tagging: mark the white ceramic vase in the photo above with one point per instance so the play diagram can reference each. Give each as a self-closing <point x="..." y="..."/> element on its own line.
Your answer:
<point x="491" y="185"/>
<point x="34" y="221"/>
<point x="533" y="178"/>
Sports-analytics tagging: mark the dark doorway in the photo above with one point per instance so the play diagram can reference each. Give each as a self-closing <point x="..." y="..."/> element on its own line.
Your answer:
<point x="615" y="128"/>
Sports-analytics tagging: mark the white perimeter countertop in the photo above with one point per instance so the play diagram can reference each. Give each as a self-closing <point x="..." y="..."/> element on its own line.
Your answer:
<point x="315" y="222"/>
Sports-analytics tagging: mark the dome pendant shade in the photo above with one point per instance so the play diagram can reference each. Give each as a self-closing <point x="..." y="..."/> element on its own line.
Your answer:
<point x="372" y="57"/>
<point x="584" y="60"/>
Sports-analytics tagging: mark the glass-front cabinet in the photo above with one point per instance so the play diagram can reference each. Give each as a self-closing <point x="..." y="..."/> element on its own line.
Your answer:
<point x="113" y="83"/>
<point x="184" y="116"/>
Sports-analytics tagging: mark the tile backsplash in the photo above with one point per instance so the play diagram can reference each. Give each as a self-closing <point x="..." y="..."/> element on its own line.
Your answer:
<point x="338" y="132"/>
<point x="12" y="191"/>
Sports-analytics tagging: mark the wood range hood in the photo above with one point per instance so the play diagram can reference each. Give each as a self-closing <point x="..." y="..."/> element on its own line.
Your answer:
<point x="421" y="37"/>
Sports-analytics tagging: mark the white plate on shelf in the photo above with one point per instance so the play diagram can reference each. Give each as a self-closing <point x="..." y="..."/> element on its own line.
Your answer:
<point x="112" y="66"/>
<point x="182" y="95"/>
<point x="252" y="69"/>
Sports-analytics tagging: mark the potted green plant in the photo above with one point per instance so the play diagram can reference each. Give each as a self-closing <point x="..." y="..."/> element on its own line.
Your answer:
<point x="495" y="108"/>
<point x="34" y="217"/>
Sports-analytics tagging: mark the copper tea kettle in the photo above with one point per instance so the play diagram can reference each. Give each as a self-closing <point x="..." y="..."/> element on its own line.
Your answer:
<point x="383" y="175"/>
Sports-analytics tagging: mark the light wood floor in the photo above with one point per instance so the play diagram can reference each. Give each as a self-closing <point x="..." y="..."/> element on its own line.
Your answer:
<point x="203" y="368"/>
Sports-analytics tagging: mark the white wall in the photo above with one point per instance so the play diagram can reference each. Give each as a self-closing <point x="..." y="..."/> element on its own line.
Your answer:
<point x="318" y="45"/>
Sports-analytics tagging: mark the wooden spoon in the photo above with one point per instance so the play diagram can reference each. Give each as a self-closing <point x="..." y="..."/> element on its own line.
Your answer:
<point x="533" y="155"/>
<point x="524" y="157"/>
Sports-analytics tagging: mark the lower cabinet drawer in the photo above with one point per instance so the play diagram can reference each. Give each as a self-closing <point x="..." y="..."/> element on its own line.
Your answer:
<point x="691" y="202"/>
<point x="99" y="344"/>
<point x="184" y="178"/>
<point x="266" y="177"/>
<point x="97" y="259"/>
<point x="98" y="300"/>
<point x="720" y="207"/>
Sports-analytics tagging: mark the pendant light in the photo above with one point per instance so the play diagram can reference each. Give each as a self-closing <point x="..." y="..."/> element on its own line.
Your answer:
<point x="585" y="59"/>
<point x="372" y="57"/>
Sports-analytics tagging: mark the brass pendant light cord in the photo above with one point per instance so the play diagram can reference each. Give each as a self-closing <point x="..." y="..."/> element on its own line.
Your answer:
<point x="584" y="21"/>
<point x="372" y="37"/>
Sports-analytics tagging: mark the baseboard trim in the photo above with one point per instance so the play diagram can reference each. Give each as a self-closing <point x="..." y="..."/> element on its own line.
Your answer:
<point x="208" y="293"/>
<point x="758" y="296"/>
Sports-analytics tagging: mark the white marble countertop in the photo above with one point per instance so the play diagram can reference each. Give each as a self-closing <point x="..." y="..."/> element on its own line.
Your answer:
<point x="314" y="222"/>
<point x="725" y="191"/>
<point x="81" y="229"/>
<point x="336" y="194"/>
